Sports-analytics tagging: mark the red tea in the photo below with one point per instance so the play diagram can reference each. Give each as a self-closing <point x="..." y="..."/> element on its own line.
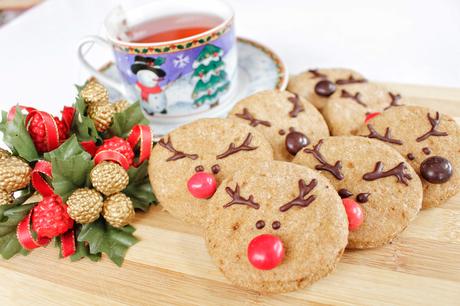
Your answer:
<point x="172" y="27"/>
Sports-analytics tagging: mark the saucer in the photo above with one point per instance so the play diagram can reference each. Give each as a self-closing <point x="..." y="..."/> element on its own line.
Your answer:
<point x="259" y="68"/>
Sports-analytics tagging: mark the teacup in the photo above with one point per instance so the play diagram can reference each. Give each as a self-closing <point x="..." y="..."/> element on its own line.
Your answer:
<point x="175" y="80"/>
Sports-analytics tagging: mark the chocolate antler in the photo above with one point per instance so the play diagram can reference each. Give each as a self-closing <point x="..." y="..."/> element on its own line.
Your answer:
<point x="385" y="138"/>
<point x="297" y="107"/>
<point x="232" y="149"/>
<point x="432" y="132"/>
<point x="304" y="190"/>
<point x="350" y="80"/>
<point x="333" y="169"/>
<point x="317" y="74"/>
<point x="177" y="154"/>
<point x="238" y="199"/>
<point x="394" y="100"/>
<point x="246" y="115"/>
<point x="356" y="97"/>
<point x="398" y="171"/>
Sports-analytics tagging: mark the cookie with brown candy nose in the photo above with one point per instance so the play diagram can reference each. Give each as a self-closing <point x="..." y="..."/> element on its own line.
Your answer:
<point x="381" y="192"/>
<point x="430" y="142"/>
<point x="317" y="85"/>
<point x="287" y="121"/>
<point x="276" y="227"/>
<point x="187" y="165"/>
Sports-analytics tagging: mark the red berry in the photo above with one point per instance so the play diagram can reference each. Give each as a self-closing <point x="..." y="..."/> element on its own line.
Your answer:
<point x="265" y="252"/>
<point x="38" y="132"/>
<point x="50" y="217"/>
<point x="354" y="213"/>
<point x="120" y="145"/>
<point x="202" y="185"/>
<point x="370" y="116"/>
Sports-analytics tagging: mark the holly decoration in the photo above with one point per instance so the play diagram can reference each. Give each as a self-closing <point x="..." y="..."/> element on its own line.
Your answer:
<point x="209" y="77"/>
<point x="55" y="196"/>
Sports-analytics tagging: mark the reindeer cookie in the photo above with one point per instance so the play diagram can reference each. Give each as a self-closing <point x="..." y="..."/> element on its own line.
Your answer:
<point x="317" y="85"/>
<point x="429" y="141"/>
<point x="380" y="191"/>
<point x="189" y="163"/>
<point x="276" y="227"/>
<point x="350" y="107"/>
<point x="286" y="120"/>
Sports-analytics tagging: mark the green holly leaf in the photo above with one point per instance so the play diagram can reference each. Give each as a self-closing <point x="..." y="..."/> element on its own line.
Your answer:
<point x="82" y="125"/>
<point x="124" y="121"/>
<point x="104" y="238"/>
<point x="71" y="167"/>
<point x="81" y="248"/>
<point x="10" y="216"/>
<point x="17" y="138"/>
<point x="139" y="189"/>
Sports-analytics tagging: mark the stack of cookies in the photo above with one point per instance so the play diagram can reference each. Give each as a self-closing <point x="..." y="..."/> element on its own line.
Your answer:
<point x="280" y="198"/>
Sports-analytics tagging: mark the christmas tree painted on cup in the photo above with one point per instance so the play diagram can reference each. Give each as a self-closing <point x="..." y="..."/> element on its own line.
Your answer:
<point x="209" y="77"/>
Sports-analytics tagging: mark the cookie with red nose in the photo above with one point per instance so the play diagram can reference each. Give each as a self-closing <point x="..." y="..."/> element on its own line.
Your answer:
<point x="430" y="142"/>
<point x="318" y="85"/>
<point x="348" y="108"/>
<point x="288" y="121"/>
<point x="187" y="165"/>
<point x="381" y="192"/>
<point x="276" y="227"/>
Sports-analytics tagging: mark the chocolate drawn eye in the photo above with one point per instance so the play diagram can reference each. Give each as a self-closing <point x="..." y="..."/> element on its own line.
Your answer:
<point x="260" y="224"/>
<point x="363" y="197"/>
<point x="215" y="169"/>
<point x="276" y="225"/>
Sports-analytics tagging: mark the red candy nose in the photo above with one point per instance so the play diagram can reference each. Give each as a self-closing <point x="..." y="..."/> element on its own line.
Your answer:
<point x="354" y="213"/>
<point x="370" y="116"/>
<point x="265" y="252"/>
<point x="202" y="185"/>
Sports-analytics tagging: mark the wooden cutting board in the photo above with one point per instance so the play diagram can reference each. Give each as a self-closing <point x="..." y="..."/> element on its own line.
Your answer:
<point x="170" y="265"/>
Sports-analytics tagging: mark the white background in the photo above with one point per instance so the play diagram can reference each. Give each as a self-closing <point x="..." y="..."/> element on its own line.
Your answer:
<point x="395" y="41"/>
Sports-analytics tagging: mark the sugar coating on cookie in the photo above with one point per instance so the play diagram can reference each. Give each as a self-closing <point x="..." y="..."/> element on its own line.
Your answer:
<point x="373" y="175"/>
<point x="217" y="147"/>
<point x="430" y="142"/>
<point x="317" y="85"/>
<point x="288" y="121"/>
<point x="292" y="205"/>
<point x="348" y="108"/>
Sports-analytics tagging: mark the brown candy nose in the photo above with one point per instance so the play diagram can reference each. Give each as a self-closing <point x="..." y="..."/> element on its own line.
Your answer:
<point x="325" y="88"/>
<point x="436" y="169"/>
<point x="295" y="141"/>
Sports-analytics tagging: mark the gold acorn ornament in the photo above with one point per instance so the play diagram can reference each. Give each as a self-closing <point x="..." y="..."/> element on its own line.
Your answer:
<point x="102" y="115"/>
<point x="14" y="174"/>
<point x="118" y="210"/>
<point x="120" y="106"/>
<point x="109" y="178"/>
<point x="4" y="154"/>
<point x="85" y="205"/>
<point x="6" y="197"/>
<point x="94" y="92"/>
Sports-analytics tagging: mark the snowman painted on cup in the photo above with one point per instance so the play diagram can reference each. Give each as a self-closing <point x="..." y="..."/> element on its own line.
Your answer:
<point x="149" y="75"/>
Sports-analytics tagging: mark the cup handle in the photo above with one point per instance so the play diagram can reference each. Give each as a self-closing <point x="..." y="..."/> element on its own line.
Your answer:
<point x="108" y="81"/>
